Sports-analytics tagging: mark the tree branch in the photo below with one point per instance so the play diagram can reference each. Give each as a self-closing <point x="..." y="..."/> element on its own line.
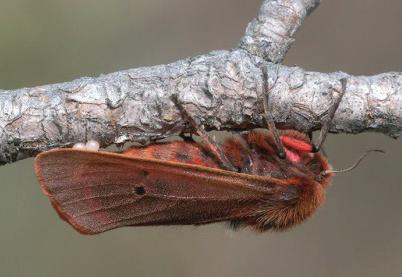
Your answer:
<point x="270" y="35"/>
<point x="223" y="89"/>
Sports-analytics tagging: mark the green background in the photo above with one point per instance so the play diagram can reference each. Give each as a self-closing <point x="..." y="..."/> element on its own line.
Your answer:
<point x="357" y="233"/>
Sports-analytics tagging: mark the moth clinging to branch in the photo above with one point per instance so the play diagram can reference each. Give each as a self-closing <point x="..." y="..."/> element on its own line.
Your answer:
<point x="266" y="180"/>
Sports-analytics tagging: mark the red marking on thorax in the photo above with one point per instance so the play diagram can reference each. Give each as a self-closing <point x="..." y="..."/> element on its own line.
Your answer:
<point x="296" y="144"/>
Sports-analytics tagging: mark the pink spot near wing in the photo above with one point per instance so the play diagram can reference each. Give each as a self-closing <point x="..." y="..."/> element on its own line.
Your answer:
<point x="296" y="144"/>
<point x="292" y="156"/>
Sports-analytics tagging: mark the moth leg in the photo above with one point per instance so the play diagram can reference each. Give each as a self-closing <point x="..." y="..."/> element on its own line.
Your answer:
<point x="268" y="115"/>
<point x="187" y="137"/>
<point x="209" y="142"/>
<point x="310" y="135"/>
<point x="237" y="151"/>
<point x="331" y="113"/>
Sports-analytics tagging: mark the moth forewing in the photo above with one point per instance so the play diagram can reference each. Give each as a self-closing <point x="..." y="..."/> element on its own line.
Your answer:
<point x="177" y="183"/>
<point x="98" y="191"/>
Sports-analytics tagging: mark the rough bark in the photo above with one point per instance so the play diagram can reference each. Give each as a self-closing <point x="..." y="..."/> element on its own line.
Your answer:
<point x="271" y="34"/>
<point x="223" y="89"/>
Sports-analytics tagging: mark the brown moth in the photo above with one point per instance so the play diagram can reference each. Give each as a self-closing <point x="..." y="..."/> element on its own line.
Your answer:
<point x="263" y="180"/>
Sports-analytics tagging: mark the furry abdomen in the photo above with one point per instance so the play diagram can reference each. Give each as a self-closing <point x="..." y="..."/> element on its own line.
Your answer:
<point x="288" y="211"/>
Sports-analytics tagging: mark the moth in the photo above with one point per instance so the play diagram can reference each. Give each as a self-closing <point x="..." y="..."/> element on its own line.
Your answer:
<point x="265" y="180"/>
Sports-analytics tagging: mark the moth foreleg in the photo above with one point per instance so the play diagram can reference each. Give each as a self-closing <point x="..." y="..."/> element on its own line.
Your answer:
<point x="331" y="113"/>
<point x="268" y="115"/>
<point x="187" y="137"/>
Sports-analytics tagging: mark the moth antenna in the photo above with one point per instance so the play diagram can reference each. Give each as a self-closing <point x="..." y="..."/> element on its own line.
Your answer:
<point x="268" y="115"/>
<point x="326" y="172"/>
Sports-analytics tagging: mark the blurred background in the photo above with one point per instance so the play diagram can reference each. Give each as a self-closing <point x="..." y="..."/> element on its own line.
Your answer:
<point x="358" y="231"/>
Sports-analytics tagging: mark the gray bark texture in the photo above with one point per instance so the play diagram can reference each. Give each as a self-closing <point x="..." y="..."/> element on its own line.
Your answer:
<point x="222" y="89"/>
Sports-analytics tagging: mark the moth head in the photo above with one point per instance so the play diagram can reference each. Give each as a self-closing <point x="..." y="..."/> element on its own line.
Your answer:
<point x="300" y="151"/>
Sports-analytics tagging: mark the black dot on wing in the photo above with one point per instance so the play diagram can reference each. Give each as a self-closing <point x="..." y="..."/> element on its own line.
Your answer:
<point x="140" y="190"/>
